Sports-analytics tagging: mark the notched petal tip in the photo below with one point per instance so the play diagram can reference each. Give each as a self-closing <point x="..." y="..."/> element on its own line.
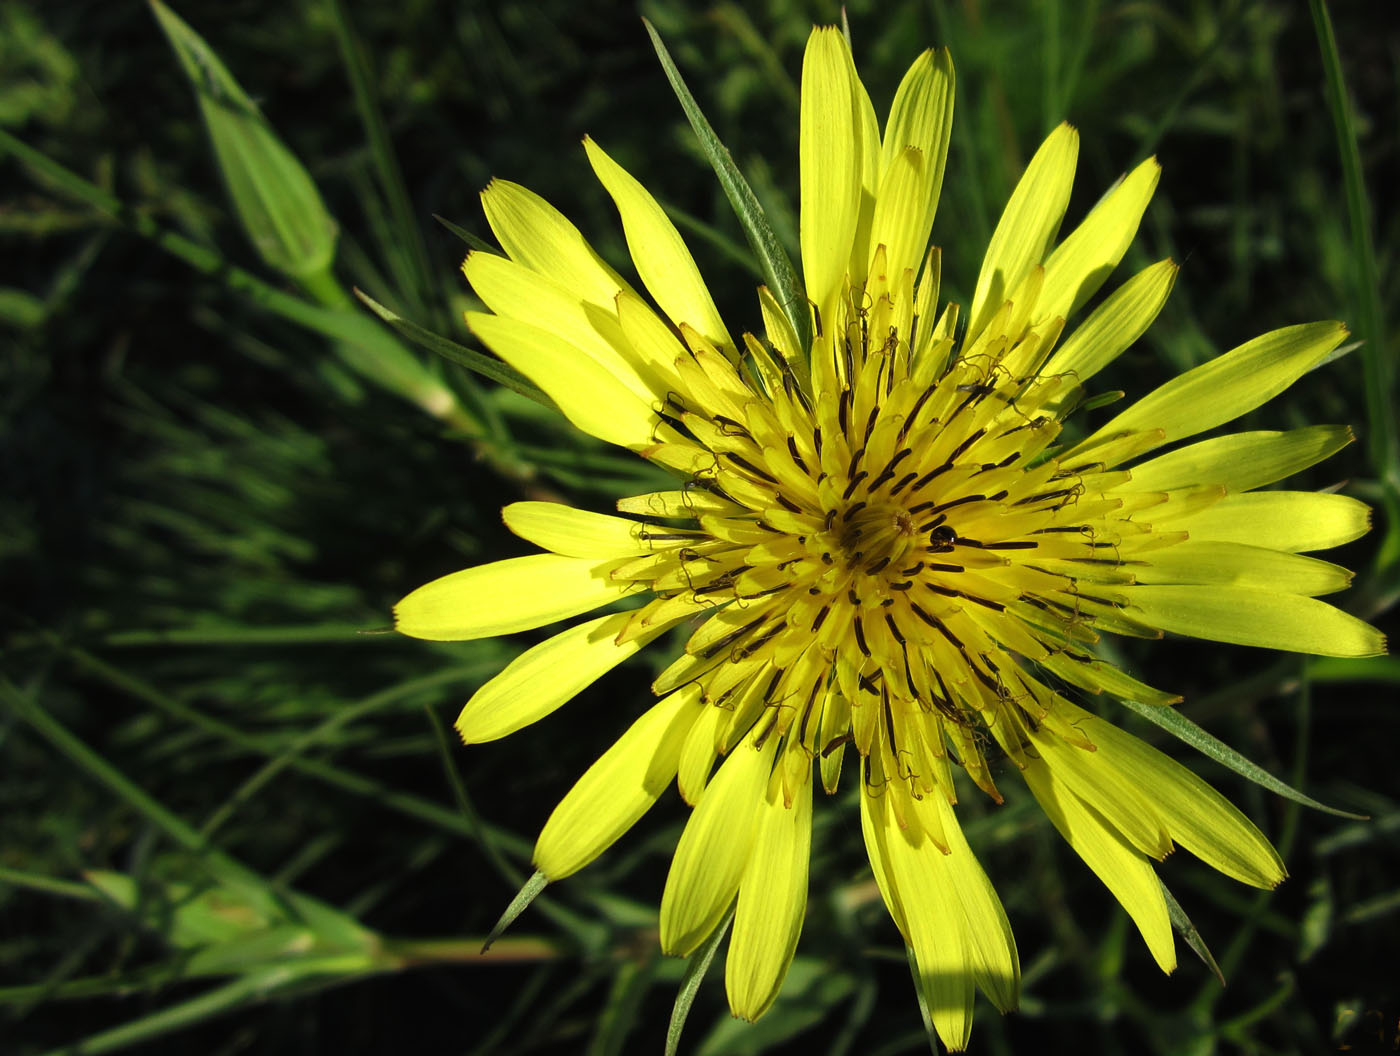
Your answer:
<point x="460" y="726"/>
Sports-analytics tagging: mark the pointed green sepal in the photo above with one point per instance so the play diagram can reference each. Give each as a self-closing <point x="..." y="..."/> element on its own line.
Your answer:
<point x="695" y="970"/>
<point x="1182" y="728"/>
<point x="527" y="894"/>
<point x="778" y="272"/>
<point x="1183" y="926"/>
<point x="486" y="366"/>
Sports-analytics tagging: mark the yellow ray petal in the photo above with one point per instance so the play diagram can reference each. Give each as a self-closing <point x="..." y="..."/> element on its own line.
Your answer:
<point x="1114" y="325"/>
<point x="535" y="234"/>
<point x="1124" y="801"/>
<point x="872" y="819"/>
<point x="591" y="395"/>
<point x="868" y="129"/>
<point x="1197" y="816"/>
<point x="1249" y="616"/>
<point x="664" y="263"/>
<point x="546" y="676"/>
<point x="514" y="291"/>
<point x="1123" y="869"/>
<point x="1241" y="461"/>
<point x="506" y="596"/>
<point x="782" y="336"/>
<point x="831" y="166"/>
<point x="572" y="532"/>
<point x="1090" y="252"/>
<point x="652" y="344"/>
<point x="698" y="755"/>
<point x="989" y="941"/>
<point x="1240" y="564"/>
<point x="714" y="849"/>
<point x="1226" y="387"/>
<point x="772" y="901"/>
<point x="1027" y="227"/>
<point x="618" y="789"/>
<point x="899" y="209"/>
<point x="1294" y="521"/>
<point x="921" y="117"/>
<point x="929" y="908"/>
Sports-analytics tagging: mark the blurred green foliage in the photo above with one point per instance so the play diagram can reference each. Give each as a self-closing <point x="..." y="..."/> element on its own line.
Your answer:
<point x="234" y="815"/>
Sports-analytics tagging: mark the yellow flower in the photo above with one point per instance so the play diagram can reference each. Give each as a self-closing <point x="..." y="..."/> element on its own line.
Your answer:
<point x="879" y="543"/>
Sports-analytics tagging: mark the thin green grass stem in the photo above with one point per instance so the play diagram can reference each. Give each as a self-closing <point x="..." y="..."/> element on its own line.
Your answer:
<point x="409" y="248"/>
<point x="1381" y="440"/>
<point x="337" y="776"/>
<point x="225" y="869"/>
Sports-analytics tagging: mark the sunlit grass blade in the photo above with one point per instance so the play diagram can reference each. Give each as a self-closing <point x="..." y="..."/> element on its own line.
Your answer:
<point x="50" y="885"/>
<point x="359" y="785"/>
<point x="407" y="252"/>
<point x="622" y="1007"/>
<point x="474" y="241"/>
<point x="1384" y="670"/>
<point x="369" y="349"/>
<point x="238" y="637"/>
<point x="217" y="1002"/>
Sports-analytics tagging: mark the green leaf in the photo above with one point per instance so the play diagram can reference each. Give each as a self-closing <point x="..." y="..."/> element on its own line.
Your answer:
<point x="1318" y="919"/>
<point x="777" y="268"/>
<point x="620" y="1011"/>
<point x="695" y="970"/>
<point x="273" y="194"/>
<point x="1182" y="923"/>
<point x="404" y="247"/>
<point x="1179" y="726"/>
<point x="21" y="309"/>
<point x="219" y="1001"/>
<point x="1103" y="399"/>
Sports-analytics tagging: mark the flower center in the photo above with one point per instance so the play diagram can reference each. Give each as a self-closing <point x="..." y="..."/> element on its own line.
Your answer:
<point x="874" y="536"/>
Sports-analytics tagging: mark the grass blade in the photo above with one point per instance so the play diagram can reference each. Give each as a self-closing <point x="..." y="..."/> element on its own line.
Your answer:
<point x="1381" y="441"/>
<point x="221" y="866"/>
<point x="416" y="272"/>
<point x="364" y="345"/>
<point x="273" y="195"/>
